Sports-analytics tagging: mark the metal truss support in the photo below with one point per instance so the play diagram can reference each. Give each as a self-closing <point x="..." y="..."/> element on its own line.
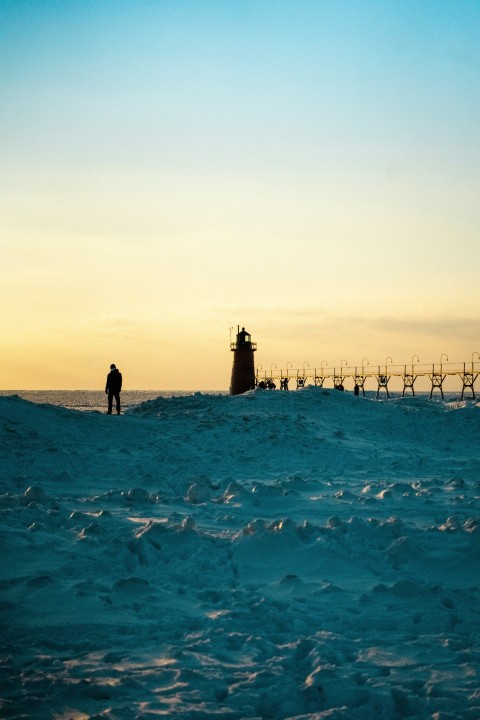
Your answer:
<point x="319" y="380"/>
<point x="338" y="382"/>
<point x="408" y="383"/>
<point x="382" y="381"/>
<point x="468" y="380"/>
<point x="437" y="382"/>
<point x="360" y="382"/>
<point x="301" y="381"/>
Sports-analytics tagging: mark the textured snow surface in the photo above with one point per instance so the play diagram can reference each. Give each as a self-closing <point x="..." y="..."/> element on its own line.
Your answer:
<point x="274" y="555"/>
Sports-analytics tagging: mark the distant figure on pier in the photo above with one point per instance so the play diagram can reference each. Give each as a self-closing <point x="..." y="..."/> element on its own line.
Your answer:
<point x="284" y="384"/>
<point x="113" y="388"/>
<point x="356" y="390"/>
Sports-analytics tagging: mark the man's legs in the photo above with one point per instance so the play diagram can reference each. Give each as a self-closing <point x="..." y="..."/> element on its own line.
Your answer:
<point x="110" y="403"/>
<point x="117" y="399"/>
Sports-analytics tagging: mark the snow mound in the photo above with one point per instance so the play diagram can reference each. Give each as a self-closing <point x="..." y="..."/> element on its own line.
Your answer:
<point x="301" y="555"/>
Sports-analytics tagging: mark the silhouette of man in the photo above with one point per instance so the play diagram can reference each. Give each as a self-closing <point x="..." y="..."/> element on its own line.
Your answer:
<point x="113" y="388"/>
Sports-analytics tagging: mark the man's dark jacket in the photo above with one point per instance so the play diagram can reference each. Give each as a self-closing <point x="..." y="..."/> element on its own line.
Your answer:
<point x="114" y="381"/>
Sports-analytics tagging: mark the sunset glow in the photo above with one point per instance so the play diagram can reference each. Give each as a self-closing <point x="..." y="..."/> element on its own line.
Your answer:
<point x="169" y="170"/>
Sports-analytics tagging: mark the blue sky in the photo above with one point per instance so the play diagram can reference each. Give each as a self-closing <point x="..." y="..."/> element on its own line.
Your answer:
<point x="329" y="82"/>
<point x="171" y="169"/>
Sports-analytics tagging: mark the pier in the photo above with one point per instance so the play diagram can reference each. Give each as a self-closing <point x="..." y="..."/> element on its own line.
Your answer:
<point x="378" y="377"/>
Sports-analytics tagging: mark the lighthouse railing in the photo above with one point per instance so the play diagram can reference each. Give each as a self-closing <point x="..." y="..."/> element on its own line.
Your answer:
<point x="243" y="346"/>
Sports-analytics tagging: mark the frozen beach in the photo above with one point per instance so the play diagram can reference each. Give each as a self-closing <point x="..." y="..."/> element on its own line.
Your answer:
<point x="302" y="555"/>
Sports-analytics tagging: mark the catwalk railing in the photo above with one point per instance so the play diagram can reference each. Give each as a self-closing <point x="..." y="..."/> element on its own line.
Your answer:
<point x="379" y="375"/>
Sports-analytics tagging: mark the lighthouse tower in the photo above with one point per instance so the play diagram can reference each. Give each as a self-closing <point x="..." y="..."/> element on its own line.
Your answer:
<point x="243" y="370"/>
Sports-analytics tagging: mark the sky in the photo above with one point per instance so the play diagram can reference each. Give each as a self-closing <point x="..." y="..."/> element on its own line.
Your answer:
<point x="172" y="169"/>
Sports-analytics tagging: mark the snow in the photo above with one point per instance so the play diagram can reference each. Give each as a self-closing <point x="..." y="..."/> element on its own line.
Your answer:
<point x="302" y="555"/>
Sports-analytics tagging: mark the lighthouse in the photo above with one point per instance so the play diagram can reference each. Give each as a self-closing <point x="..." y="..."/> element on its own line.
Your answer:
<point x="243" y="370"/>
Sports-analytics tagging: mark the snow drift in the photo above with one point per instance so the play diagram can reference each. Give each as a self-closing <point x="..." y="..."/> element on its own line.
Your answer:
<point x="274" y="555"/>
